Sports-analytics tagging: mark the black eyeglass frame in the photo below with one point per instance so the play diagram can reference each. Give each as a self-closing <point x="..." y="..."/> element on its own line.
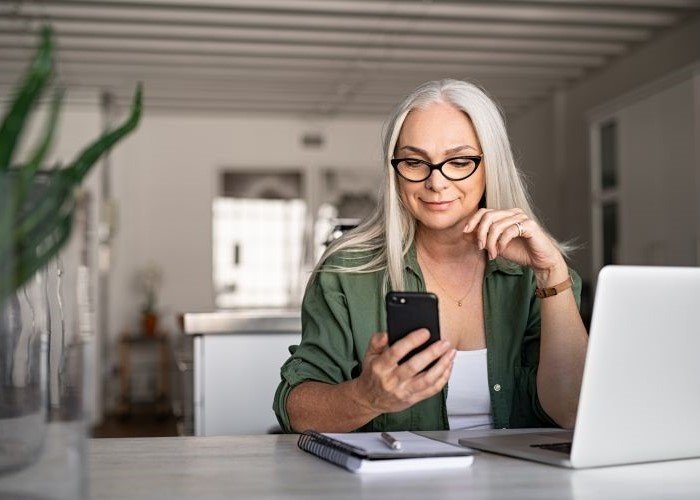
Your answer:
<point x="437" y="166"/>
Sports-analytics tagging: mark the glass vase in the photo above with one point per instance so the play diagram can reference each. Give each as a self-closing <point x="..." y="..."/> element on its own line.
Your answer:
<point x="44" y="345"/>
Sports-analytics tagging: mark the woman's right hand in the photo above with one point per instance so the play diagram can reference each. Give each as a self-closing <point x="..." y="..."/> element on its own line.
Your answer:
<point x="387" y="387"/>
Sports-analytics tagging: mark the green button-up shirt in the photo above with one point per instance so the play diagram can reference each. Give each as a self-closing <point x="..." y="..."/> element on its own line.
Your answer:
<point x="341" y="311"/>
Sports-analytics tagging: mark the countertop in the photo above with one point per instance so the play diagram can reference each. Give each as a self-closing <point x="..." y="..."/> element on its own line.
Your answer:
<point x="271" y="466"/>
<point x="243" y="321"/>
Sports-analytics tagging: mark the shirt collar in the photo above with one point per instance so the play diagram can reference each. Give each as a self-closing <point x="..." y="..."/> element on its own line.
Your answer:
<point x="411" y="261"/>
<point x="504" y="266"/>
<point x="501" y="265"/>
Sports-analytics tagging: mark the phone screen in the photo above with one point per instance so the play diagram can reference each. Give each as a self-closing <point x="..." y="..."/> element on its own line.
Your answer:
<point x="409" y="311"/>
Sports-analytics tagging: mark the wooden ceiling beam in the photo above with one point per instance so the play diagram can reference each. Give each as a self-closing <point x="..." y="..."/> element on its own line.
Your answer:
<point x="317" y="22"/>
<point x="75" y="29"/>
<point x="553" y="13"/>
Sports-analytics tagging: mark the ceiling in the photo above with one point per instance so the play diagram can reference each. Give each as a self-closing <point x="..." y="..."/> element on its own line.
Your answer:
<point x="326" y="57"/>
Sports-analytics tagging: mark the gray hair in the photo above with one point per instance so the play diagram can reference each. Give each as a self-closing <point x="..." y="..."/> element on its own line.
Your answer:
<point x="383" y="239"/>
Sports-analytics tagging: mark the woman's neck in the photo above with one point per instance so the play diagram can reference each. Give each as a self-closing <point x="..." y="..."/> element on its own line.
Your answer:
<point x="445" y="246"/>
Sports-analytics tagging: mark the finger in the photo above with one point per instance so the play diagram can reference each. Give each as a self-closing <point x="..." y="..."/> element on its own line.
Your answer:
<point x="474" y="220"/>
<point x="513" y="232"/>
<point x="378" y="342"/>
<point x="498" y="228"/>
<point x="419" y="361"/>
<point x="402" y="347"/>
<point x="487" y="220"/>
<point x="377" y="345"/>
<point x="433" y="380"/>
<point x="431" y="376"/>
<point x="508" y="235"/>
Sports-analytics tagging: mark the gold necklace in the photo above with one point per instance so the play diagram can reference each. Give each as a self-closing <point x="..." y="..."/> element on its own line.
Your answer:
<point x="437" y="282"/>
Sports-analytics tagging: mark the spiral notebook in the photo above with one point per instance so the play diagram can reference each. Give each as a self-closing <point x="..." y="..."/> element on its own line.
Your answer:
<point x="366" y="452"/>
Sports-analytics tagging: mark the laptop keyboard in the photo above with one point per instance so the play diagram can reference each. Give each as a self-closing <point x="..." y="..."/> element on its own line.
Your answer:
<point x="560" y="447"/>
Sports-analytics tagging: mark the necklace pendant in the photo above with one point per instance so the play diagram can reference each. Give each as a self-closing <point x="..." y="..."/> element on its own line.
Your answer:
<point x="459" y="303"/>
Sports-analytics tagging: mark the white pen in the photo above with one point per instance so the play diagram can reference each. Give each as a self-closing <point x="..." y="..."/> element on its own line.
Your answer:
<point x="391" y="441"/>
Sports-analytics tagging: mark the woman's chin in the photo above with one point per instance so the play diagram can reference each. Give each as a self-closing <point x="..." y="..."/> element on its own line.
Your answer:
<point x="441" y="222"/>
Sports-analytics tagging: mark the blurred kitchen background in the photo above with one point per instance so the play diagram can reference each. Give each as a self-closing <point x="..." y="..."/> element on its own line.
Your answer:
<point x="260" y="142"/>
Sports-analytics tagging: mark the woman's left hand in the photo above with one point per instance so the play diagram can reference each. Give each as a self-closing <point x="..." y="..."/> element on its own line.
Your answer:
<point x="497" y="232"/>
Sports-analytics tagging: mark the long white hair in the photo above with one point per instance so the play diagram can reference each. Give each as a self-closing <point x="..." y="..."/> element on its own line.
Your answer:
<point x="383" y="239"/>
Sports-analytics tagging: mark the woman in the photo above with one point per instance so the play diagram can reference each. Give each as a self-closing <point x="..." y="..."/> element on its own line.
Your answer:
<point x="454" y="220"/>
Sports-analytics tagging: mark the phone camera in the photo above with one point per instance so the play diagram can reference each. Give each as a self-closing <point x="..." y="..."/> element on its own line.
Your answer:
<point x="402" y="300"/>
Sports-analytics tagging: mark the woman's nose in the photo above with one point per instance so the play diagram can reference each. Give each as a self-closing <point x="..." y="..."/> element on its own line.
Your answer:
<point x="436" y="181"/>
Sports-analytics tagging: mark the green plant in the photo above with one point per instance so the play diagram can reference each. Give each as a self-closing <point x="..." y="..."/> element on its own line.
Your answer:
<point x="37" y="204"/>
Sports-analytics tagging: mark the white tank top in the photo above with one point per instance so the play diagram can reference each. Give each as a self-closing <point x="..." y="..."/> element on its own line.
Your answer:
<point x="468" y="396"/>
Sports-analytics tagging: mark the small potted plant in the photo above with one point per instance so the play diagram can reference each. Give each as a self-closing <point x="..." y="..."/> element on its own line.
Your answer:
<point x="148" y="282"/>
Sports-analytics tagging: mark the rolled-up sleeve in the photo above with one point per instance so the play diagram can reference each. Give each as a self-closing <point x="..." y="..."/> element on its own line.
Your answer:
<point x="326" y="351"/>
<point x="527" y="409"/>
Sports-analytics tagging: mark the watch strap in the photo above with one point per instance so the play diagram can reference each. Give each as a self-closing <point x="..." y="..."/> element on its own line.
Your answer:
<point x="543" y="293"/>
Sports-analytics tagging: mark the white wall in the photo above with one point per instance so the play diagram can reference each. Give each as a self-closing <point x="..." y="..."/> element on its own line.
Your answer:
<point x="532" y="132"/>
<point x="657" y="137"/>
<point x="165" y="178"/>
<point x="534" y="154"/>
<point x="696" y="93"/>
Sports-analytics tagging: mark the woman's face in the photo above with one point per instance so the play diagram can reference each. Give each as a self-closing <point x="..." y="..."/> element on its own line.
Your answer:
<point x="436" y="133"/>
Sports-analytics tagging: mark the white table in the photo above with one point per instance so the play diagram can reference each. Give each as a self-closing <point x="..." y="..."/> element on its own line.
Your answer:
<point x="269" y="466"/>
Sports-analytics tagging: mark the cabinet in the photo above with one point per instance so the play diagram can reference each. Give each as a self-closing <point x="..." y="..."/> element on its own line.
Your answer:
<point x="154" y="363"/>
<point x="236" y="368"/>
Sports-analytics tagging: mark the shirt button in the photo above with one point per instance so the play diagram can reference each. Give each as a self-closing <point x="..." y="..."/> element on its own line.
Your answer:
<point x="497" y="387"/>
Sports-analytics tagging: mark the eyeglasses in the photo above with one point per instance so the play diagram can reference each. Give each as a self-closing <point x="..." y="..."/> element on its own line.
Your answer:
<point x="454" y="169"/>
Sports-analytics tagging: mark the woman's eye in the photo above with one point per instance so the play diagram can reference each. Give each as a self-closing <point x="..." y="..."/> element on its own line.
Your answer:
<point x="461" y="163"/>
<point x="413" y="163"/>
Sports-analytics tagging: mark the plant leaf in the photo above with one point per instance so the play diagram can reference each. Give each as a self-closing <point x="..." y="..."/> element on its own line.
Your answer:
<point x="27" y="172"/>
<point x="28" y="236"/>
<point x="92" y="153"/>
<point x="37" y="158"/>
<point x="31" y="259"/>
<point x="59" y="189"/>
<point x="31" y="88"/>
<point x="33" y="235"/>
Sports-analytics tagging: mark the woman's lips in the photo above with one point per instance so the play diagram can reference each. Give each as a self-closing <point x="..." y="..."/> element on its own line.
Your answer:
<point x="437" y="206"/>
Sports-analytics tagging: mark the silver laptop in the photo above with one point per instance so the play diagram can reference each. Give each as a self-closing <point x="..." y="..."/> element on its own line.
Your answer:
<point x="640" y="399"/>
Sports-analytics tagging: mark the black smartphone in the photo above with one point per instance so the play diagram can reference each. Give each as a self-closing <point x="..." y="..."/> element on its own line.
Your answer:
<point x="409" y="311"/>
